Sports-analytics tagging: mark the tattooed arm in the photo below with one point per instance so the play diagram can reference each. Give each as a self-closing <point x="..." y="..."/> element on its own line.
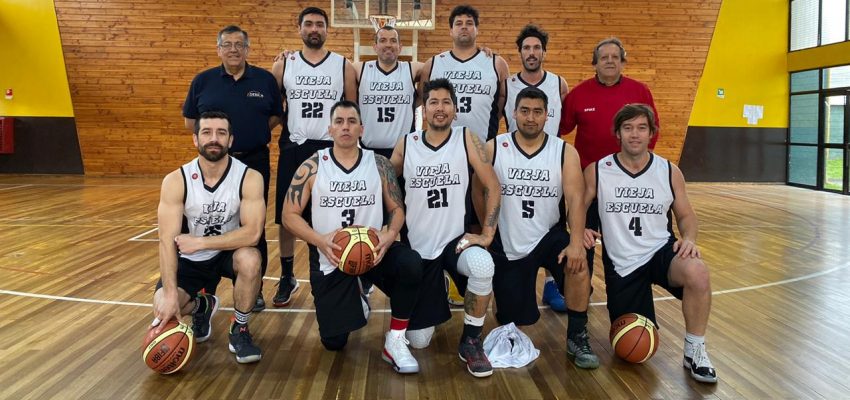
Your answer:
<point x="482" y="165"/>
<point x="296" y="200"/>
<point x="393" y="203"/>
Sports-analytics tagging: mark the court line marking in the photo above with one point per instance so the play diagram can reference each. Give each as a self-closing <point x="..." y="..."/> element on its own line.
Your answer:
<point x="15" y="187"/>
<point x="301" y="310"/>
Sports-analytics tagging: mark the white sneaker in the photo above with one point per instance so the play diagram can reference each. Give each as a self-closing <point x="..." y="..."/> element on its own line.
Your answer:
<point x="700" y="366"/>
<point x="396" y="353"/>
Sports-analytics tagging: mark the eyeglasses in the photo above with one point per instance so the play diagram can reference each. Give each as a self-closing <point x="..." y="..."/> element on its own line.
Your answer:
<point x="238" y="46"/>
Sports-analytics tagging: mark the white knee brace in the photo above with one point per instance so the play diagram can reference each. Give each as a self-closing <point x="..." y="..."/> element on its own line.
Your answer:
<point x="477" y="264"/>
<point x="420" y="338"/>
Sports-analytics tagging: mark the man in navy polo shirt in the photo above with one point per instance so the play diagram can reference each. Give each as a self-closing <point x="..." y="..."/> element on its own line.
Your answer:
<point x="250" y="96"/>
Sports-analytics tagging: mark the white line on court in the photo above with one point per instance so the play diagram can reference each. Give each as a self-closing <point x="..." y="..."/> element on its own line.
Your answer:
<point x="137" y="237"/>
<point x="296" y="310"/>
<point x="15" y="187"/>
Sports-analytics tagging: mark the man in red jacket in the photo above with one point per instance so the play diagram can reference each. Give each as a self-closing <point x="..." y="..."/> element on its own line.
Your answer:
<point x="591" y="107"/>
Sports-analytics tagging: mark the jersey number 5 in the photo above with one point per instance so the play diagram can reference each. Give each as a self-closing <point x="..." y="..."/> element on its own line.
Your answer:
<point x="634" y="225"/>
<point x="528" y="208"/>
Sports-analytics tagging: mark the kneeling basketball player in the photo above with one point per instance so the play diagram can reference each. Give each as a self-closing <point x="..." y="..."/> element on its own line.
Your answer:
<point x="340" y="187"/>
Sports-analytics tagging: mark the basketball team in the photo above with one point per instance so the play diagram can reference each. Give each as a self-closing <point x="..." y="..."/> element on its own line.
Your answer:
<point x="454" y="204"/>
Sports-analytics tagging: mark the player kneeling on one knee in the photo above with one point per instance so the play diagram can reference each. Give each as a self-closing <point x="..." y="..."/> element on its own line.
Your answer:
<point x="334" y="178"/>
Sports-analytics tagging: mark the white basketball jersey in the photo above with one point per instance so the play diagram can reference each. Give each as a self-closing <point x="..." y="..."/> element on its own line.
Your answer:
<point x="532" y="192"/>
<point x="436" y="180"/>
<point x="551" y="85"/>
<point x="386" y="104"/>
<point x="212" y="211"/>
<point x="476" y="84"/>
<point x="310" y="90"/>
<point x="341" y="197"/>
<point x="634" y="210"/>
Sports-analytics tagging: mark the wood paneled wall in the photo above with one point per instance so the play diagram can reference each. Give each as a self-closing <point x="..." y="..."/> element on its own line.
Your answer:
<point x="130" y="62"/>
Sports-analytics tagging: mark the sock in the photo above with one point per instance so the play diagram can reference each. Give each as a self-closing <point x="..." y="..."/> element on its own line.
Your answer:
<point x="240" y="317"/>
<point x="548" y="279"/>
<point x="576" y="322"/>
<point x="398" y="326"/>
<point x="472" y="326"/>
<point x="692" y="341"/>
<point x="286" y="265"/>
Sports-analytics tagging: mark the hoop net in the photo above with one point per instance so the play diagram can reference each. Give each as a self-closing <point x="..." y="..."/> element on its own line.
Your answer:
<point x="379" y="21"/>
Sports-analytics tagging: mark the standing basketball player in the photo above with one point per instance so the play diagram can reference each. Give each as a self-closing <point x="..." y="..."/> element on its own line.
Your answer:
<point x="636" y="190"/>
<point x="249" y="96"/>
<point x="349" y="186"/>
<point x="478" y="79"/>
<point x="531" y="44"/>
<point x="386" y="93"/>
<point x="312" y="81"/>
<point x="437" y="168"/>
<point x="536" y="172"/>
<point x="221" y="201"/>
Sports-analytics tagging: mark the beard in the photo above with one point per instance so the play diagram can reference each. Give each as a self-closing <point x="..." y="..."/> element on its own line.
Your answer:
<point x="313" y="42"/>
<point x="528" y="67"/>
<point x="213" y="157"/>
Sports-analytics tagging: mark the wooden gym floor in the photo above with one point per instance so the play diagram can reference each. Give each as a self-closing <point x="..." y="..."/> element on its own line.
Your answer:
<point x="79" y="264"/>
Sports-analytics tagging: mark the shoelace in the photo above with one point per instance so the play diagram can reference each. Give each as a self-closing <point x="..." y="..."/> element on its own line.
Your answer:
<point x="701" y="358"/>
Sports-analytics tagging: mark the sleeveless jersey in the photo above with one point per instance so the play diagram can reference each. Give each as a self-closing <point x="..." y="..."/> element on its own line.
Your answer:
<point x="634" y="210"/>
<point x="341" y="197"/>
<point x="551" y="85"/>
<point x="532" y="192"/>
<point x="436" y="180"/>
<point x="310" y="91"/>
<point x="211" y="211"/>
<point x="386" y="103"/>
<point x="476" y="84"/>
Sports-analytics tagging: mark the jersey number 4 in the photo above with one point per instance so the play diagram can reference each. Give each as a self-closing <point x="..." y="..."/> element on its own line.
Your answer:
<point x="634" y="225"/>
<point x="386" y="114"/>
<point x="438" y="198"/>
<point x="311" y="110"/>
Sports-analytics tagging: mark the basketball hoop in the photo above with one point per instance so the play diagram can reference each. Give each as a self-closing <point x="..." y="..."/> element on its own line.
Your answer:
<point x="379" y="21"/>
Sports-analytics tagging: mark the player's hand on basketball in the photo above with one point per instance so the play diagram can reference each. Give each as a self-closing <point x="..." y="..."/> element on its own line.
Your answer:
<point x="590" y="237"/>
<point x="685" y="248"/>
<point x="576" y="258"/>
<point x="328" y="246"/>
<point x="385" y="239"/>
<point x="188" y="244"/>
<point x="471" y="239"/>
<point x="165" y="310"/>
<point x="283" y="54"/>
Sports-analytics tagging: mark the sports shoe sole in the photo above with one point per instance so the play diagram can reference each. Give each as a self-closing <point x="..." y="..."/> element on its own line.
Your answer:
<point x="201" y="339"/>
<point x="288" y="300"/>
<point x="396" y="367"/>
<point x="476" y="374"/>
<point x="591" y="365"/>
<point x="245" y="360"/>
<point x="698" y="378"/>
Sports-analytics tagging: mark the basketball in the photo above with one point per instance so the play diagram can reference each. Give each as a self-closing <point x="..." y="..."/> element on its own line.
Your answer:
<point x="634" y="338"/>
<point x="358" y="245"/>
<point x="169" y="351"/>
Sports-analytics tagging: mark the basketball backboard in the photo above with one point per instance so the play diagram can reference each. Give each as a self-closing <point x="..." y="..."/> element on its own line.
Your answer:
<point x="414" y="15"/>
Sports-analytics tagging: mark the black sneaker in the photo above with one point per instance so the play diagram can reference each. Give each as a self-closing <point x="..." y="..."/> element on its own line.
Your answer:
<point x="578" y="347"/>
<point x="472" y="353"/>
<point x="700" y="366"/>
<point x="260" y="304"/>
<point x="242" y="345"/>
<point x="202" y="319"/>
<point x="285" y="288"/>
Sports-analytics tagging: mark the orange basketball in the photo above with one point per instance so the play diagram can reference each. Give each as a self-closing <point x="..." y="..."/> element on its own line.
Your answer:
<point x="358" y="245"/>
<point x="634" y="338"/>
<point x="169" y="351"/>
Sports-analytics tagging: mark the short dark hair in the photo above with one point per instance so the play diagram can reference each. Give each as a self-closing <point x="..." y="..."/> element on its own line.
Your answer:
<point x="532" y="30"/>
<point x="390" y="29"/>
<point x="463" y="9"/>
<point x="232" y="29"/>
<point x="532" y="92"/>
<point x="213" y="115"/>
<point x="312" y="10"/>
<point x="346" y="104"/>
<point x="610" y="40"/>
<point x="632" y="111"/>
<point x="437" y="84"/>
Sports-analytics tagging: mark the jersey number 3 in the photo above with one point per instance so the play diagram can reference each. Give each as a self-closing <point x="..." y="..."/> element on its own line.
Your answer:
<point x="634" y="225"/>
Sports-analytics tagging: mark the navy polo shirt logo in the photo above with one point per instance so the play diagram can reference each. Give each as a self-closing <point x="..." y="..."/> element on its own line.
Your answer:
<point x="255" y="94"/>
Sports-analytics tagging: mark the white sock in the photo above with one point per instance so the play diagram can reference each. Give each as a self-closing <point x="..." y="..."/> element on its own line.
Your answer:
<point x="691" y="341"/>
<point x="474" y="321"/>
<point x="548" y="279"/>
